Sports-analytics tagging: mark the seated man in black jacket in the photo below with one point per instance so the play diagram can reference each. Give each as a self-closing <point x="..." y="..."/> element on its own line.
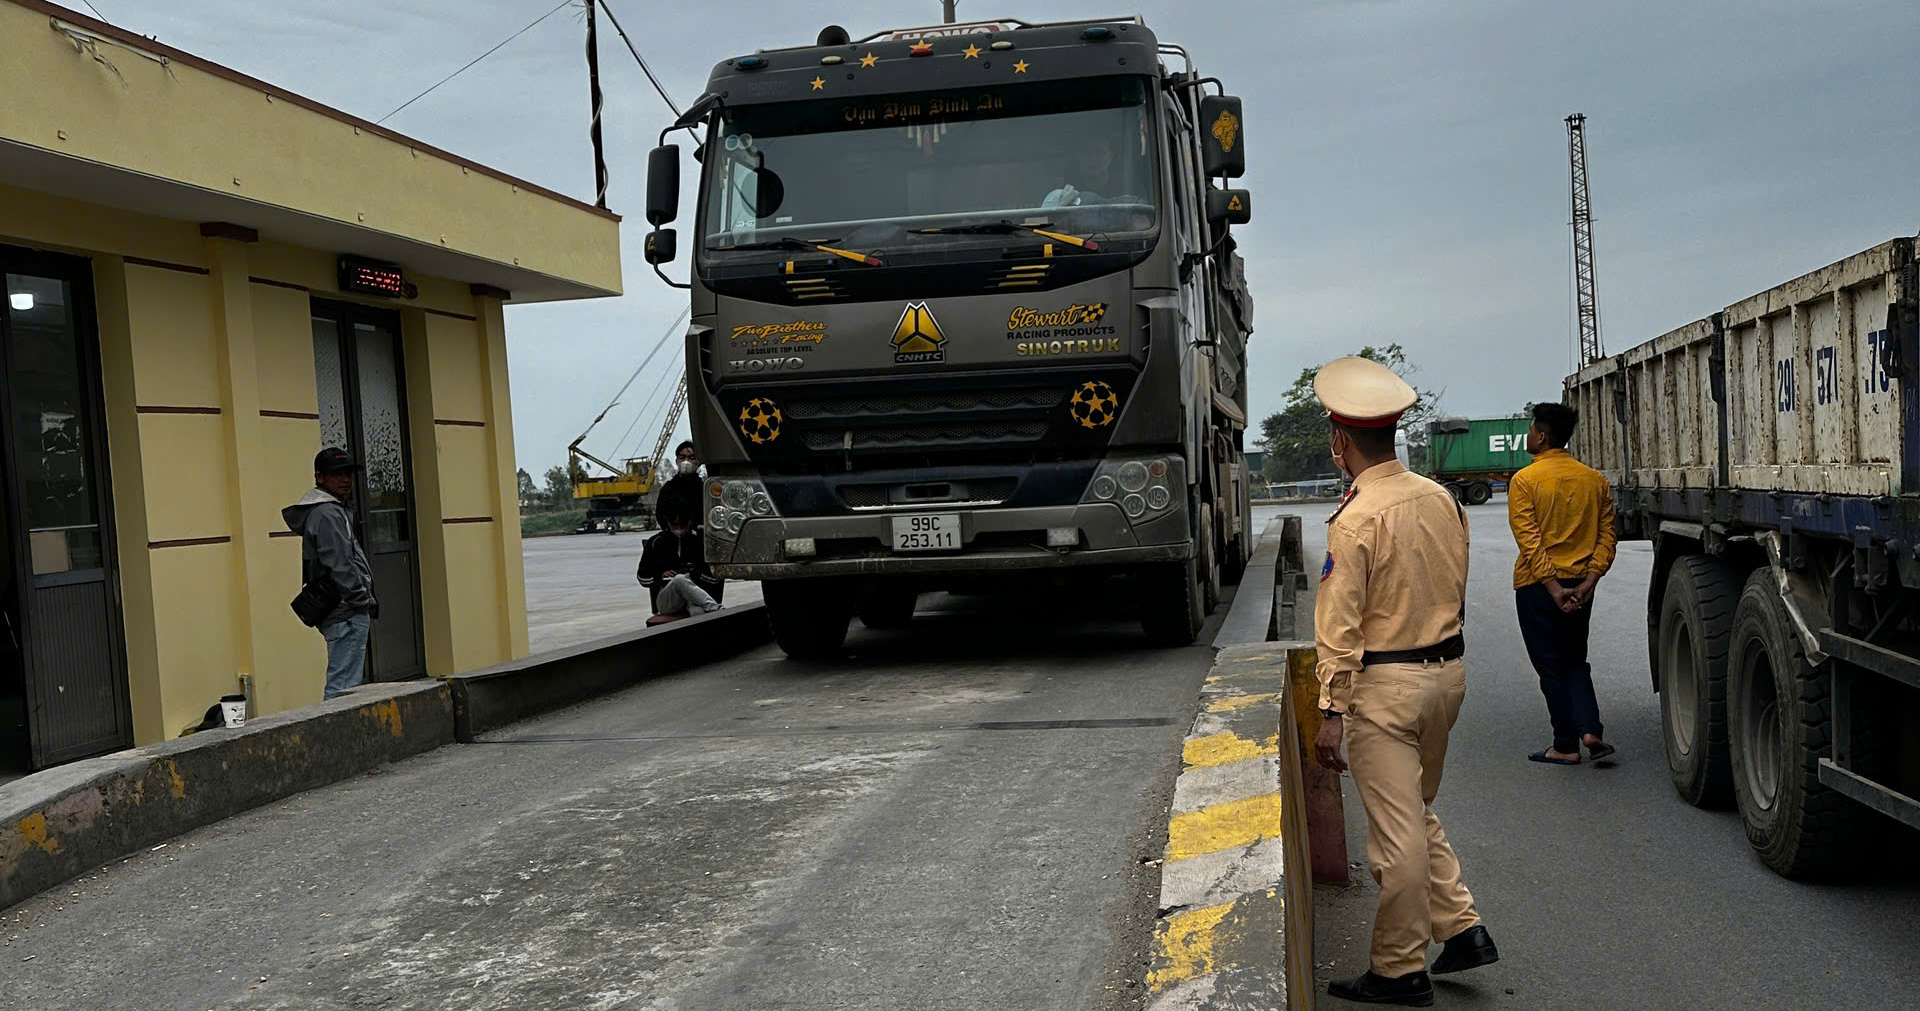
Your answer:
<point x="673" y="567"/>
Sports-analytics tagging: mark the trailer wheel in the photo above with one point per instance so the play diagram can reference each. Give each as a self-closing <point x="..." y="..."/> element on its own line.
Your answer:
<point x="1479" y="493"/>
<point x="889" y="607"/>
<point x="1458" y="492"/>
<point x="809" y="616"/>
<point x="1696" y="617"/>
<point x="1781" y="725"/>
<point x="1170" y="602"/>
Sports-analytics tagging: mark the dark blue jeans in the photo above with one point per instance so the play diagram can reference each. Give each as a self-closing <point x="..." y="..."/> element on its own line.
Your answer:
<point x="1557" y="645"/>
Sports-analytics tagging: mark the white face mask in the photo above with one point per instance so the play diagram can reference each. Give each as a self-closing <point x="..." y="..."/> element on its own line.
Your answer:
<point x="688" y="467"/>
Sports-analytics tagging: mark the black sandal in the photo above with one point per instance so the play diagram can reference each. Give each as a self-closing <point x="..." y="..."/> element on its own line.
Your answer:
<point x="1542" y="756"/>
<point x="1598" y="752"/>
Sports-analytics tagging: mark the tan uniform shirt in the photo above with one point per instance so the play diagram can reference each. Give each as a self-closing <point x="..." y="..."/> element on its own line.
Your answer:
<point x="1395" y="576"/>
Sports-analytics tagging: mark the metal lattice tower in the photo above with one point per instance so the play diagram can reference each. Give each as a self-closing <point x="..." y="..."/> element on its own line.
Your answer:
<point x="1583" y="241"/>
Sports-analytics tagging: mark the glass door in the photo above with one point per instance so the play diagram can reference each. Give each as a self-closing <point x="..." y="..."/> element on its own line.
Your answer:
<point x="60" y="636"/>
<point x="361" y="386"/>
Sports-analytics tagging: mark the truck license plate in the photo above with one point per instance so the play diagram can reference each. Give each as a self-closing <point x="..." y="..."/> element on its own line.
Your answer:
<point x="928" y="532"/>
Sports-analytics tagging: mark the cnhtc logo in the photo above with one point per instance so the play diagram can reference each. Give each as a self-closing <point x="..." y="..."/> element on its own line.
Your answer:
<point x="917" y="339"/>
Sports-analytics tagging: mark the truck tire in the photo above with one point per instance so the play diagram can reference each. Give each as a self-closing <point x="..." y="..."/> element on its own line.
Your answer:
<point x="889" y="607"/>
<point x="1209" y="567"/>
<point x="1459" y="492"/>
<point x="1780" y="723"/>
<point x="1479" y="493"/>
<point x="1696" y="618"/>
<point x="809" y="616"/>
<point x="1170" y="602"/>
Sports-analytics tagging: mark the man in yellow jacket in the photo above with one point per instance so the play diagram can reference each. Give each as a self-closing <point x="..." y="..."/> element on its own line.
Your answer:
<point x="1561" y="511"/>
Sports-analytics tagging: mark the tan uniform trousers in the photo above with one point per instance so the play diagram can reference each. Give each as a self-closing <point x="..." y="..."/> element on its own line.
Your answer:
<point x="1396" y="733"/>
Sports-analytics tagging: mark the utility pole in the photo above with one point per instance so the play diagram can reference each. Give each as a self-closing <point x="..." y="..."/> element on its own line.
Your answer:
<point x="946" y="8"/>
<point x="593" y="88"/>
<point x="1583" y="283"/>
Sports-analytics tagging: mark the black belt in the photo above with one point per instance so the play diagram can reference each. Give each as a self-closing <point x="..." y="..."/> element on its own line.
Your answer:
<point x="1452" y="648"/>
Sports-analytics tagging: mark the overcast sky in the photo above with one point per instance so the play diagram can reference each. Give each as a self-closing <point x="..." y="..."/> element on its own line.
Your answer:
<point x="1407" y="157"/>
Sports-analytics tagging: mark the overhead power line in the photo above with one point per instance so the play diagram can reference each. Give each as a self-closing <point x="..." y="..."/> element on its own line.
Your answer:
<point x="477" y="59"/>
<point x="637" y="58"/>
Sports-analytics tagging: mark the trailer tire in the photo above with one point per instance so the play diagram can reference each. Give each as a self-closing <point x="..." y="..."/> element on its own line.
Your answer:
<point x="889" y="607"/>
<point x="1780" y="723"/>
<point x="1458" y="492"/>
<point x="809" y="617"/>
<point x="1170" y="602"/>
<point x="1696" y="619"/>
<point x="1479" y="493"/>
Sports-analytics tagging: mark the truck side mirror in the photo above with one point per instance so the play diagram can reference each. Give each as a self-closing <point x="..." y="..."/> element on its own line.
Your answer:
<point x="1225" y="147"/>
<point x="1229" y="207"/>
<point x="663" y="184"/>
<point x="661" y="245"/>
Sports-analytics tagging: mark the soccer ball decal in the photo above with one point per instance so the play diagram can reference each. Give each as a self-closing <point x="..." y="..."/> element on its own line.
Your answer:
<point x="1094" y="405"/>
<point x="760" y="420"/>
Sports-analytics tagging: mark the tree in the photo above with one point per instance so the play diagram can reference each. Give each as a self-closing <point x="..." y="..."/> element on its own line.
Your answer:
<point x="527" y="491"/>
<point x="559" y="487"/>
<point x="1296" y="435"/>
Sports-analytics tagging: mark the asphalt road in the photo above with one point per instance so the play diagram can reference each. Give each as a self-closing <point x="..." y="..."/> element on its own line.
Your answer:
<point x="1603" y="890"/>
<point x="926" y="824"/>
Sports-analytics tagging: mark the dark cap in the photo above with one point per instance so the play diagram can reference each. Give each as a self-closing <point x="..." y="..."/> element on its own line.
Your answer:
<point x="332" y="460"/>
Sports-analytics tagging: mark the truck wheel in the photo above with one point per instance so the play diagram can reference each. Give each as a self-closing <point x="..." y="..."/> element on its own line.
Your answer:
<point x="1780" y="724"/>
<point x="1209" y="568"/>
<point x="1479" y="493"/>
<point x="809" y="616"/>
<point x="1457" y="491"/>
<point x="1170" y="602"/>
<point x="1696" y="617"/>
<point x="889" y="607"/>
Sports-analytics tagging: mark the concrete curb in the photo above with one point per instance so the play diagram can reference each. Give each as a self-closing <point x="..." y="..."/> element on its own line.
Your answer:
<point x="66" y="821"/>
<point x="493" y="697"/>
<point x="1235" y="926"/>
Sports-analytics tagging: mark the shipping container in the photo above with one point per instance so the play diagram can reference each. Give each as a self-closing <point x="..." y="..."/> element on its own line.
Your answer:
<point x="1470" y="456"/>
<point x="1767" y="452"/>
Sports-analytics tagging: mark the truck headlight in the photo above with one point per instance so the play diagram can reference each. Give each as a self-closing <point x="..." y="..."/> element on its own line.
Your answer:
<point x="734" y="502"/>
<point x="1142" y="488"/>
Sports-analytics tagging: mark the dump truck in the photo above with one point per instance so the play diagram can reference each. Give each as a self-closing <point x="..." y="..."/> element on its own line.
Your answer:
<point x="1770" y="452"/>
<point x="1469" y="457"/>
<point x="966" y="308"/>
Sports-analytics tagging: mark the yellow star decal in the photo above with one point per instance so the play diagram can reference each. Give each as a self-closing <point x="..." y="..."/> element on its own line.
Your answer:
<point x="869" y="60"/>
<point x="819" y="83"/>
<point x="1020" y="68"/>
<point x="972" y="51"/>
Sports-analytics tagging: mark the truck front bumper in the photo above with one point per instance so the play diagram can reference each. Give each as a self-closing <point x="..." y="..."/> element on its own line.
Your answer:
<point x="994" y="540"/>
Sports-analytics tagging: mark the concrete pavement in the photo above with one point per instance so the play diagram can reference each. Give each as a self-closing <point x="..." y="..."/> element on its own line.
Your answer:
<point x="580" y="587"/>
<point x="1602" y="888"/>
<point x="961" y="815"/>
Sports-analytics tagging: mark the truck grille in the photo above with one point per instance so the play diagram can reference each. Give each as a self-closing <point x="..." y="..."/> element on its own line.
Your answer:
<point x="973" y="433"/>
<point x="1032" y="398"/>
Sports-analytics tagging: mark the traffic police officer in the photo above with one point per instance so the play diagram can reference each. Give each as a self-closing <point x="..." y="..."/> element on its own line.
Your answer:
<point x="1388" y="623"/>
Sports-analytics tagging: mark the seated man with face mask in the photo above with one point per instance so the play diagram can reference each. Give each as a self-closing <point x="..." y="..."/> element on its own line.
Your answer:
<point x="673" y="565"/>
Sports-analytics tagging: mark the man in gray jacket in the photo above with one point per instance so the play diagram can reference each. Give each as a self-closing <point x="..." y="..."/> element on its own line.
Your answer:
<point x="328" y="546"/>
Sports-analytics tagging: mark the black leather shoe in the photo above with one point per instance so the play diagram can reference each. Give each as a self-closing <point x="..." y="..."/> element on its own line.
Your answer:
<point x="1415" y="989"/>
<point x="1469" y="949"/>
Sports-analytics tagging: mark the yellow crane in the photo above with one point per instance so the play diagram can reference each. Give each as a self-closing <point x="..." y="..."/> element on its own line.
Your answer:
<point x="622" y="491"/>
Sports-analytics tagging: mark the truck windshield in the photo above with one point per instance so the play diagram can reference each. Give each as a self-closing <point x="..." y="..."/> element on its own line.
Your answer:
<point x="893" y="170"/>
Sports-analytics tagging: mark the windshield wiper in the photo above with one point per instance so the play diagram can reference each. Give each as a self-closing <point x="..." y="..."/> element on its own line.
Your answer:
<point x="1007" y="227"/>
<point x="789" y="242"/>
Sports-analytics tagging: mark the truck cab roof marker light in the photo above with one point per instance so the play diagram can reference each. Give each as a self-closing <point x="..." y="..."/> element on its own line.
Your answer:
<point x="751" y="63"/>
<point x="1002" y="46"/>
<point x="1098" y="33"/>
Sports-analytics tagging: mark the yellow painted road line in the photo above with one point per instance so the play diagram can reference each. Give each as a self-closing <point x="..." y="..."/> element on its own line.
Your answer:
<point x="1223" y="826"/>
<point x="1233" y="703"/>
<point x="1221" y="748"/>
<point x="1186" y="946"/>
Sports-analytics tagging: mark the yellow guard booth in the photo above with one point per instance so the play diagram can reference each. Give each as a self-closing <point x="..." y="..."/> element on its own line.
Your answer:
<point x="208" y="279"/>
